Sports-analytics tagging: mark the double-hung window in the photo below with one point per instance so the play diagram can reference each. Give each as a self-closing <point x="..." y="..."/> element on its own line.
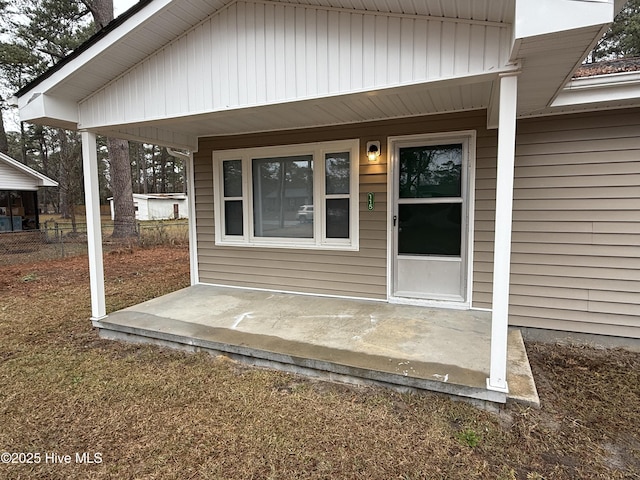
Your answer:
<point x="294" y="196"/>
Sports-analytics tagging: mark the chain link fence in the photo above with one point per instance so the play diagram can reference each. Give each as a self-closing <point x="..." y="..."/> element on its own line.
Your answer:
<point x="61" y="239"/>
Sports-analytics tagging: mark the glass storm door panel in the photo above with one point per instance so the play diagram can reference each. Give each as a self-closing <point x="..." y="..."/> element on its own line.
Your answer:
<point x="430" y="221"/>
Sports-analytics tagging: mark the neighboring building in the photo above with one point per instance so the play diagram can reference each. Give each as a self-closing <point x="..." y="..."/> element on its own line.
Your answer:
<point x="423" y="193"/>
<point x="158" y="206"/>
<point x="19" y="186"/>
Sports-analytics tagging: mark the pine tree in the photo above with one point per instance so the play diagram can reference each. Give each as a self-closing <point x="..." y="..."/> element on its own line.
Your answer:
<point x="119" y="161"/>
<point x="45" y="32"/>
<point x="42" y="33"/>
<point x="623" y="38"/>
<point x="4" y="142"/>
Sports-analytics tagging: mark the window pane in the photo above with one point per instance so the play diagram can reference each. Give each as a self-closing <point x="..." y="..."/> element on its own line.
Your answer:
<point x="337" y="168"/>
<point x="430" y="229"/>
<point x="337" y="218"/>
<point x="232" y="172"/>
<point x="283" y="197"/>
<point x="233" y="217"/>
<point x="4" y="202"/>
<point x="30" y="209"/>
<point x="431" y="171"/>
<point x="5" y="212"/>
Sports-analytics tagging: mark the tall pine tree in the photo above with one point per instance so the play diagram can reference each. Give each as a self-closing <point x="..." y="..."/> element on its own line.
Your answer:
<point x="623" y="38"/>
<point x="119" y="161"/>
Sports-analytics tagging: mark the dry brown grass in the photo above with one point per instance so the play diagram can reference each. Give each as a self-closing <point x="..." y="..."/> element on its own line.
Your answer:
<point x="154" y="413"/>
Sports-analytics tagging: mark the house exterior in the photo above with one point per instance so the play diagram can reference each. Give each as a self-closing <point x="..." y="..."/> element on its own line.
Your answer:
<point x="450" y="158"/>
<point x="19" y="186"/>
<point x="157" y="206"/>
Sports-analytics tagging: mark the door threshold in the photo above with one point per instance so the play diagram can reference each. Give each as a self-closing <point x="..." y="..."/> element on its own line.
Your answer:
<point x="422" y="302"/>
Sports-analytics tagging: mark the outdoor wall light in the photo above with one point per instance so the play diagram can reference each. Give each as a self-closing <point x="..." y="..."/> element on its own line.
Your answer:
<point x="373" y="151"/>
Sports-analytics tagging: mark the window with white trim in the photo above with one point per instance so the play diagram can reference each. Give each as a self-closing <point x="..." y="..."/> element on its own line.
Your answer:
<point x="294" y="196"/>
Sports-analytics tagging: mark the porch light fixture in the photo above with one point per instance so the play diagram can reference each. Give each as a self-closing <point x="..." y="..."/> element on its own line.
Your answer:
<point x="373" y="151"/>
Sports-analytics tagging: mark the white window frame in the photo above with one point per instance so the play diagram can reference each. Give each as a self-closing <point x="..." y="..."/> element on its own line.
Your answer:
<point x="318" y="150"/>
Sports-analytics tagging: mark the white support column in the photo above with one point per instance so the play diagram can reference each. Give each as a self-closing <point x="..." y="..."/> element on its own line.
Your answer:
<point x="502" y="245"/>
<point x="94" y="228"/>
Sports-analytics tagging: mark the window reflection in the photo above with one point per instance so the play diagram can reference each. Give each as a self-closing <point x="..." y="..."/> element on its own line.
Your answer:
<point x="337" y="168"/>
<point x="431" y="171"/>
<point x="283" y="197"/>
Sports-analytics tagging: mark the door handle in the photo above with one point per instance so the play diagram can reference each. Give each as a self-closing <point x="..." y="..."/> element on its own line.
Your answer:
<point x="395" y="219"/>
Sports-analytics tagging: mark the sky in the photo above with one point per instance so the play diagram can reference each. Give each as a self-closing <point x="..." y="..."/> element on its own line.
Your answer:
<point x="120" y="6"/>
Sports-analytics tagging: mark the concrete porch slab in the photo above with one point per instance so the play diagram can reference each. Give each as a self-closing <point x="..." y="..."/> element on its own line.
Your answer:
<point x="403" y="346"/>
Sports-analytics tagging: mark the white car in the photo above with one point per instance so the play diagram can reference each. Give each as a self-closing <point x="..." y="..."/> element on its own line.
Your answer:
<point x="305" y="213"/>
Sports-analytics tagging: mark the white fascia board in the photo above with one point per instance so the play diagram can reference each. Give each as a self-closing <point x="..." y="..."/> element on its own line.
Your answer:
<point x="541" y="17"/>
<point x="56" y="112"/>
<point x="600" y="89"/>
<point x="95" y="50"/>
<point x="42" y="180"/>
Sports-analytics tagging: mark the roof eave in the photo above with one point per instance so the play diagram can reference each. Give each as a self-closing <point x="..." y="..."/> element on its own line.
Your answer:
<point x="41" y="180"/>
<point x="600" y="89"/>
<point x="99" y="37"/>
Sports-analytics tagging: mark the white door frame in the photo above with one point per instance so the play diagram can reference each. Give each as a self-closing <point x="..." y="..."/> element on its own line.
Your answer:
<point x="468" y="136"/>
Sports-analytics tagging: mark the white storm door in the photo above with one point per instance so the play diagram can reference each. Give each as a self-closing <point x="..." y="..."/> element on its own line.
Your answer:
<point x="430" y="217"/>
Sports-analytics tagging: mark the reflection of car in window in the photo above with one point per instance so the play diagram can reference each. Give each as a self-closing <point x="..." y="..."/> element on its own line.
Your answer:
<point x="305" y="213"/>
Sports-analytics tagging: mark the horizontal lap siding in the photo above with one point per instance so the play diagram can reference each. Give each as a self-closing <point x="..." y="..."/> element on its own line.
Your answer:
<point x="13" y="179"/>
<point x="576" y="231"/>
<point x="485" y="204"/>
<point x="360" y="274"/>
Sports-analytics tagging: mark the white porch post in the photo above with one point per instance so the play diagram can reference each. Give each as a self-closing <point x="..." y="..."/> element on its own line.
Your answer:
<point x="502" y="245"/>
<point x="94" y="228"/>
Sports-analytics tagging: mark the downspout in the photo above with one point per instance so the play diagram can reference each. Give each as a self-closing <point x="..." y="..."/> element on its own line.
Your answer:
<point x="191" y="199"/>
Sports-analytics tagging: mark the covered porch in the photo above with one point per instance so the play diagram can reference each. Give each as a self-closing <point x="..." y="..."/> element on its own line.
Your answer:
<point x="358" y="341"/>
<point x="321" y="67"/>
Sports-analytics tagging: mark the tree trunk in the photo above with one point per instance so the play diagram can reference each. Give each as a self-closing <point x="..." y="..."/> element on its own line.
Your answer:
<point x="163" y="170"/>
<point x="70" y="179"/>
<point x="143" y="168"/>
<point x="4" y="144"/>
<point x="23" y="144"/>
<point x="121" y="187"/>
<point x="154" y="170"/>
<point x="101" y="11"/>
<point x="121" y="179"/>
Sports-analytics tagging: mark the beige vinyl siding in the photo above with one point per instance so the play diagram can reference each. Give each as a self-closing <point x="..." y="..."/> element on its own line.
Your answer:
<point x="485" y="205"/>
<point x="576" y="230"/>
<point x="361" y="273"/>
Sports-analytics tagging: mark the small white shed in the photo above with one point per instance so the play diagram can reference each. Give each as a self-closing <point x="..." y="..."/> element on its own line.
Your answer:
<point x="158" y="206"/>
<point x="19" y="195"/>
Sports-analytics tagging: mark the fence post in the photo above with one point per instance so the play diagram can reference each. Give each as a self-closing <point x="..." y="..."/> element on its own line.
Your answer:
<point x="58" y="238"/>
<point x="62" y="242"/>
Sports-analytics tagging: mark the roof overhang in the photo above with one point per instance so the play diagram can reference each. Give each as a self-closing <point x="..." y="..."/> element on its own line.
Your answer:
<point x="473" y="92"/>
<point x="598" y="92"/>
<point x="46" y="109"/>
<point x="39" y="179"/>
<point x="549" y="39"/>
<point x="610" y="89"/>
